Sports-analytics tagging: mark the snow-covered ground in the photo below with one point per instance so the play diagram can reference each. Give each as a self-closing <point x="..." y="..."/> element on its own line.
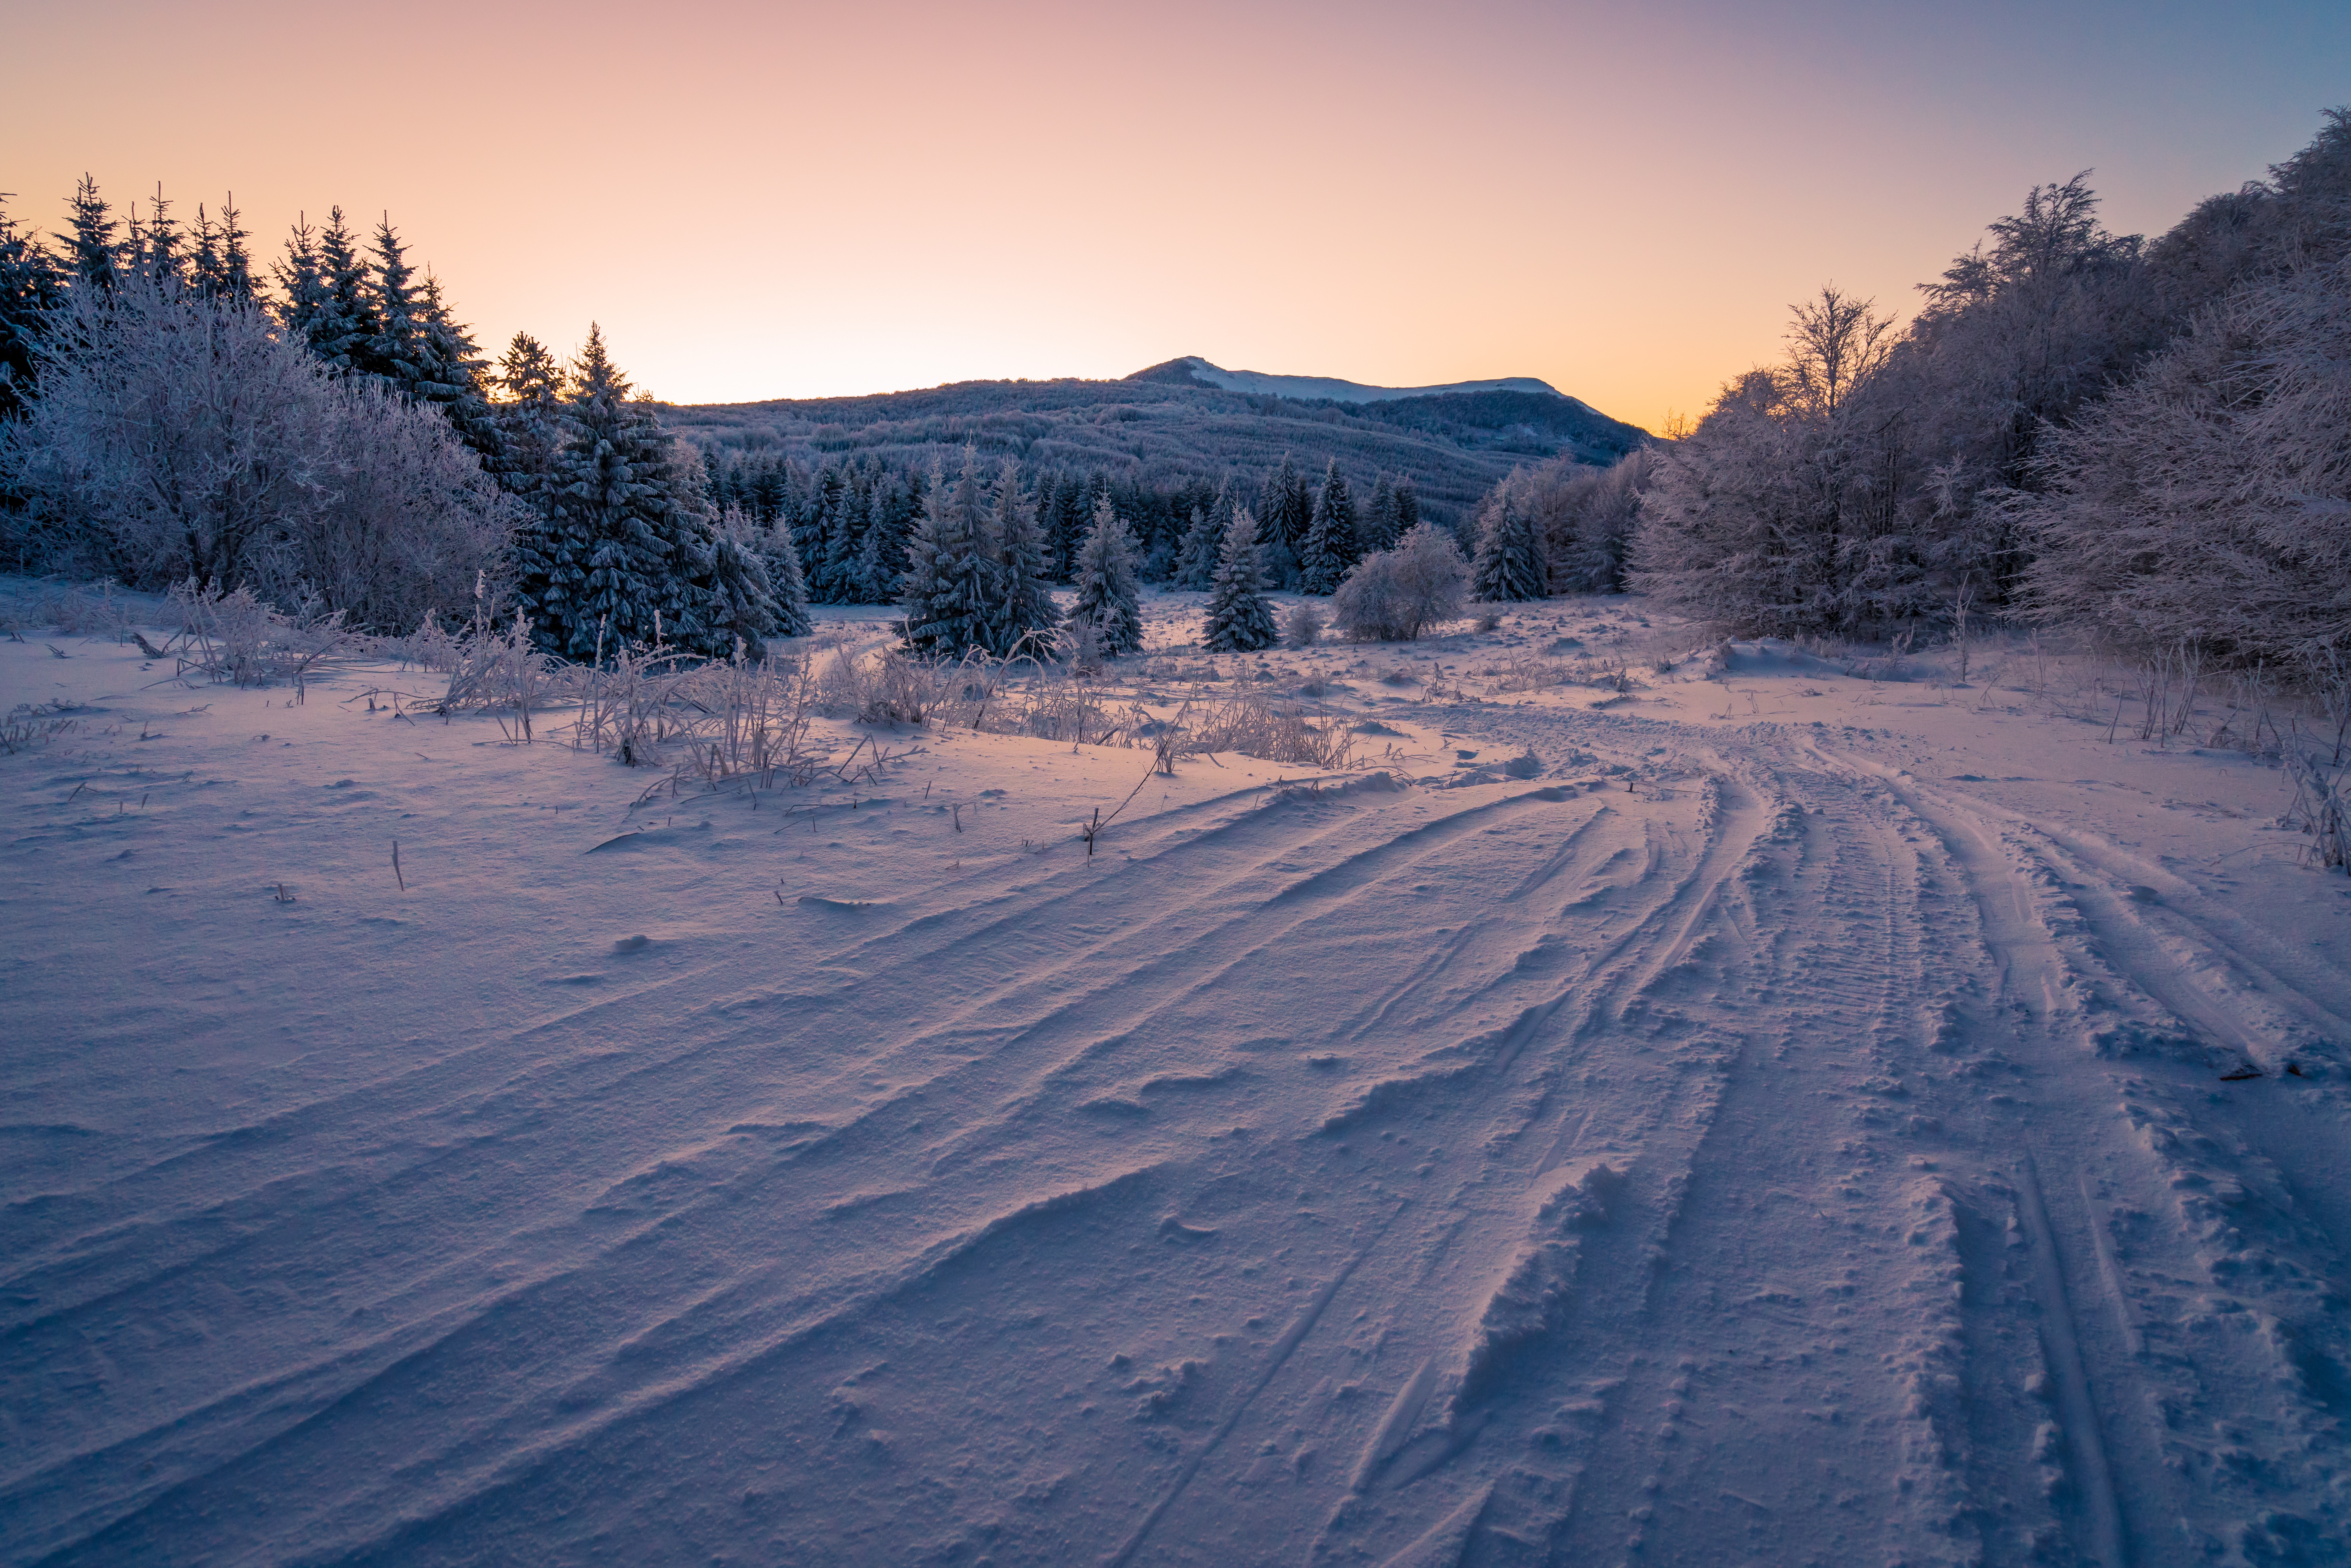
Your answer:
<point x="1769" y="1114"/>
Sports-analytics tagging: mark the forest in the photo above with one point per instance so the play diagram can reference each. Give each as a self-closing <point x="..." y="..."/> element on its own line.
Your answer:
<point x="2141" y="440"/>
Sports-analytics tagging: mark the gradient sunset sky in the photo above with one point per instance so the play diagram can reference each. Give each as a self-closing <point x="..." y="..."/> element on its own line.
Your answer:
<point x="793" y="200"/>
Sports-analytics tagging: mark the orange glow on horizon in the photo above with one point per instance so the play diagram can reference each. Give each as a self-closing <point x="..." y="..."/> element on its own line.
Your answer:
<point x="807" y="200"/>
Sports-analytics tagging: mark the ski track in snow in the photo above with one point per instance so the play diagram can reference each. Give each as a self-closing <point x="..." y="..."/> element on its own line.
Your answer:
<point x="1790" y="1158"/>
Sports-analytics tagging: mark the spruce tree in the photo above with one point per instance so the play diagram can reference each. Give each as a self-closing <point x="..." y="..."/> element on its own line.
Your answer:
<point x="1196" y="564"/>
<point x="1026" y="616"/>
<point x="1510" y="565"/>
<point x="813" y="523"/>
<point x="1070" y="510"/>
<point x="92" y="253"/>
<point x="154" y="245"/>
<point x="1407" y="508"/>
<point x="1238" y="619"/>
<point x="1109" y="600"/>
<point x="630" y="516"/>
<point x="1379" y="530"/>
<point x="32" y="284"/>
<point x="342" y="326"/>
<point x="393" y="346"/>
<point x="948" y="574"/>
<point x="784" y="576"/>
<point x="235" y="279"/>
<point x="300" y="282"/>
<point x="454" y="376"/>
<point x="1330" y="544"/>
<point x="743" y="597"/>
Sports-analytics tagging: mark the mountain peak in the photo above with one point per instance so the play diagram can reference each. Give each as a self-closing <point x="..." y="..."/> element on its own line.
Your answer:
<point x="1193" y="370"/>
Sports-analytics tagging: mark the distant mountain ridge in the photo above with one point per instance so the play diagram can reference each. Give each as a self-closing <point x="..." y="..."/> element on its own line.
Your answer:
<point x="1194" y="370"/>
<point x="1173" y="422"/>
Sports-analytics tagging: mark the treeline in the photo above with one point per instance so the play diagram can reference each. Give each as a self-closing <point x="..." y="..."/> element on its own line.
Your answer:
<point x="2147" y="439"/>
<point x="850" y="519"/>
<point x="328" y="435"/>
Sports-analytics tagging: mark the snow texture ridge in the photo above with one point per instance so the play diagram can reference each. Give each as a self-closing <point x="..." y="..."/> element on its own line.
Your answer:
<point x="1760" y="1110"/>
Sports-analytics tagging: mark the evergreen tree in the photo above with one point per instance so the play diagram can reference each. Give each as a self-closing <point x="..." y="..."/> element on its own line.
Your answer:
<point x="1238" y="621"/>
<point x="154" y="246"/>
<point x="835" y="580"/>
<point x="784" y="576"/>
<point x="1328" y="548"/>
<point x="813" y="523"/>
<point x="743" y="606"/>
<point x="453" y="371"/>
<point x="301" y="283"/>
<point x="233" y="279"/>
<point x="1025" y="620"/>
<point x="1109" y="600"/>
<point x="1407" y="508"/>
<point x="342" y="326"/>
<point x="32" y="284"/>
<point x="1071" y="509"/>
<point x="1196" y="564"/>
<point x="1379" y="530"/>
<point x="948" y="574"/>
<point x="629" y="520"/>
<point x="1510" y="565"/>
<point x="92" y="254"/>
<point x="393" y="346"/>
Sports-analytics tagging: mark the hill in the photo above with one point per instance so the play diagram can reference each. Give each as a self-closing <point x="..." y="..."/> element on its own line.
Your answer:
<point x="1166" y="423"/>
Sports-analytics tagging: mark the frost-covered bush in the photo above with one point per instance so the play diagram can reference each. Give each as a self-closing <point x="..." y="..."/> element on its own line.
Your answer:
<point x="1397" y="594"/>
<point x="178" y="437"/>
<point x="2209" y="501"/>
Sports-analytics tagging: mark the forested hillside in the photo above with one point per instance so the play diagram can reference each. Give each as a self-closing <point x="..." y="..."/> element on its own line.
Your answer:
<point x="1151" y="432"/>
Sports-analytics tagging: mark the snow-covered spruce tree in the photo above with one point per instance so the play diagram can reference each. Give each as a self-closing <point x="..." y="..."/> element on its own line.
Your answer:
<point x="32" y="286"/>
<point x="340" y="321"/>
<point x="1378" y="530"/>
<point x="1109" y="598"/>
<point x="837" y="580"/>
<point x="1397" y="594"/>
<point x="1238" y="619"/>
<point x="744" y="606"/>
<point x="1328" y="548"/>
<point x="950" y="581"/>
<point x="1509" y="567"/>
<point x="2207" y="502"/>
<point x="631" y="508"/>
<point x="1026" y="616"/>
<point x="1407" y="506"/>
<point x="1196" y="562"/>
<point x="773" y="543"/>
<point x="93" y="254"/>
<point x="221" y="266"/>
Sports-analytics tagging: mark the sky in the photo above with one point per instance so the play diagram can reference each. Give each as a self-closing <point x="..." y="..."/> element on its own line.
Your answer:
<point x="786" y="200"/>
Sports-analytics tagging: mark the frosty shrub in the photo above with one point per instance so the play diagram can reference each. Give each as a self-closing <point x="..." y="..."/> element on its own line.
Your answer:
<point x="1397" y="594"/>
<point x="2209" y="501"/>
<point x="178" y="437"/>
<point x="1301" y="626"/>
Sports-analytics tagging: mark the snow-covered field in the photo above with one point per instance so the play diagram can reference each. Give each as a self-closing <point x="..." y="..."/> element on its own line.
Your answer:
<point x="1769" y="1115"/>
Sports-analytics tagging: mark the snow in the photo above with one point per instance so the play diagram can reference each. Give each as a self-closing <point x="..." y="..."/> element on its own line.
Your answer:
<point x="1790" y="1110"/>
<point x="1338" y="391"/>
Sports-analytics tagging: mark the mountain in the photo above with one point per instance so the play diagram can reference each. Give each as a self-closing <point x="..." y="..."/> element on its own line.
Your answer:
<point x="1174" y="421"/>
<point x="1194" y="371"/>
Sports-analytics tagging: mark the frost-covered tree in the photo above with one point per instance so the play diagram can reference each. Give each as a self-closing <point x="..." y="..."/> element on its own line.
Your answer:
<point x="1195" y="560"/>
<point x="744" y="604"/>
<point x="1583" y="517"/>
<point x="1109" y="598"/>
<point x="630" y="514"/>
<point x="1285" y="511"/>
<point x="950" y="578"/>
<point x="1378" y="529"/>
<point x="2208" y="503"/>
<point x="156" y="250"/>
<point x="1780" y="513"/>
<point x="341" y="323"/>
<point x="1509" y="565"/>
<point x="93" y="249"/>
<point x="1026" y="616"/>
<point x="1328" y="548"/>
<point x="32" y="286"/>
<point x="177" y="437"/>
<point x="1407" y="505"/>
<point x="1238" y="619"/>
<point x="220" y="267"/>
<point x="1397" y="594"/>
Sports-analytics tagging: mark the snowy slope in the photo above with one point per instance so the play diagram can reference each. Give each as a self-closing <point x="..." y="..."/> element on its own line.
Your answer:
<point x="1330" y="387"/>
<point x="1771" y="1114"/>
